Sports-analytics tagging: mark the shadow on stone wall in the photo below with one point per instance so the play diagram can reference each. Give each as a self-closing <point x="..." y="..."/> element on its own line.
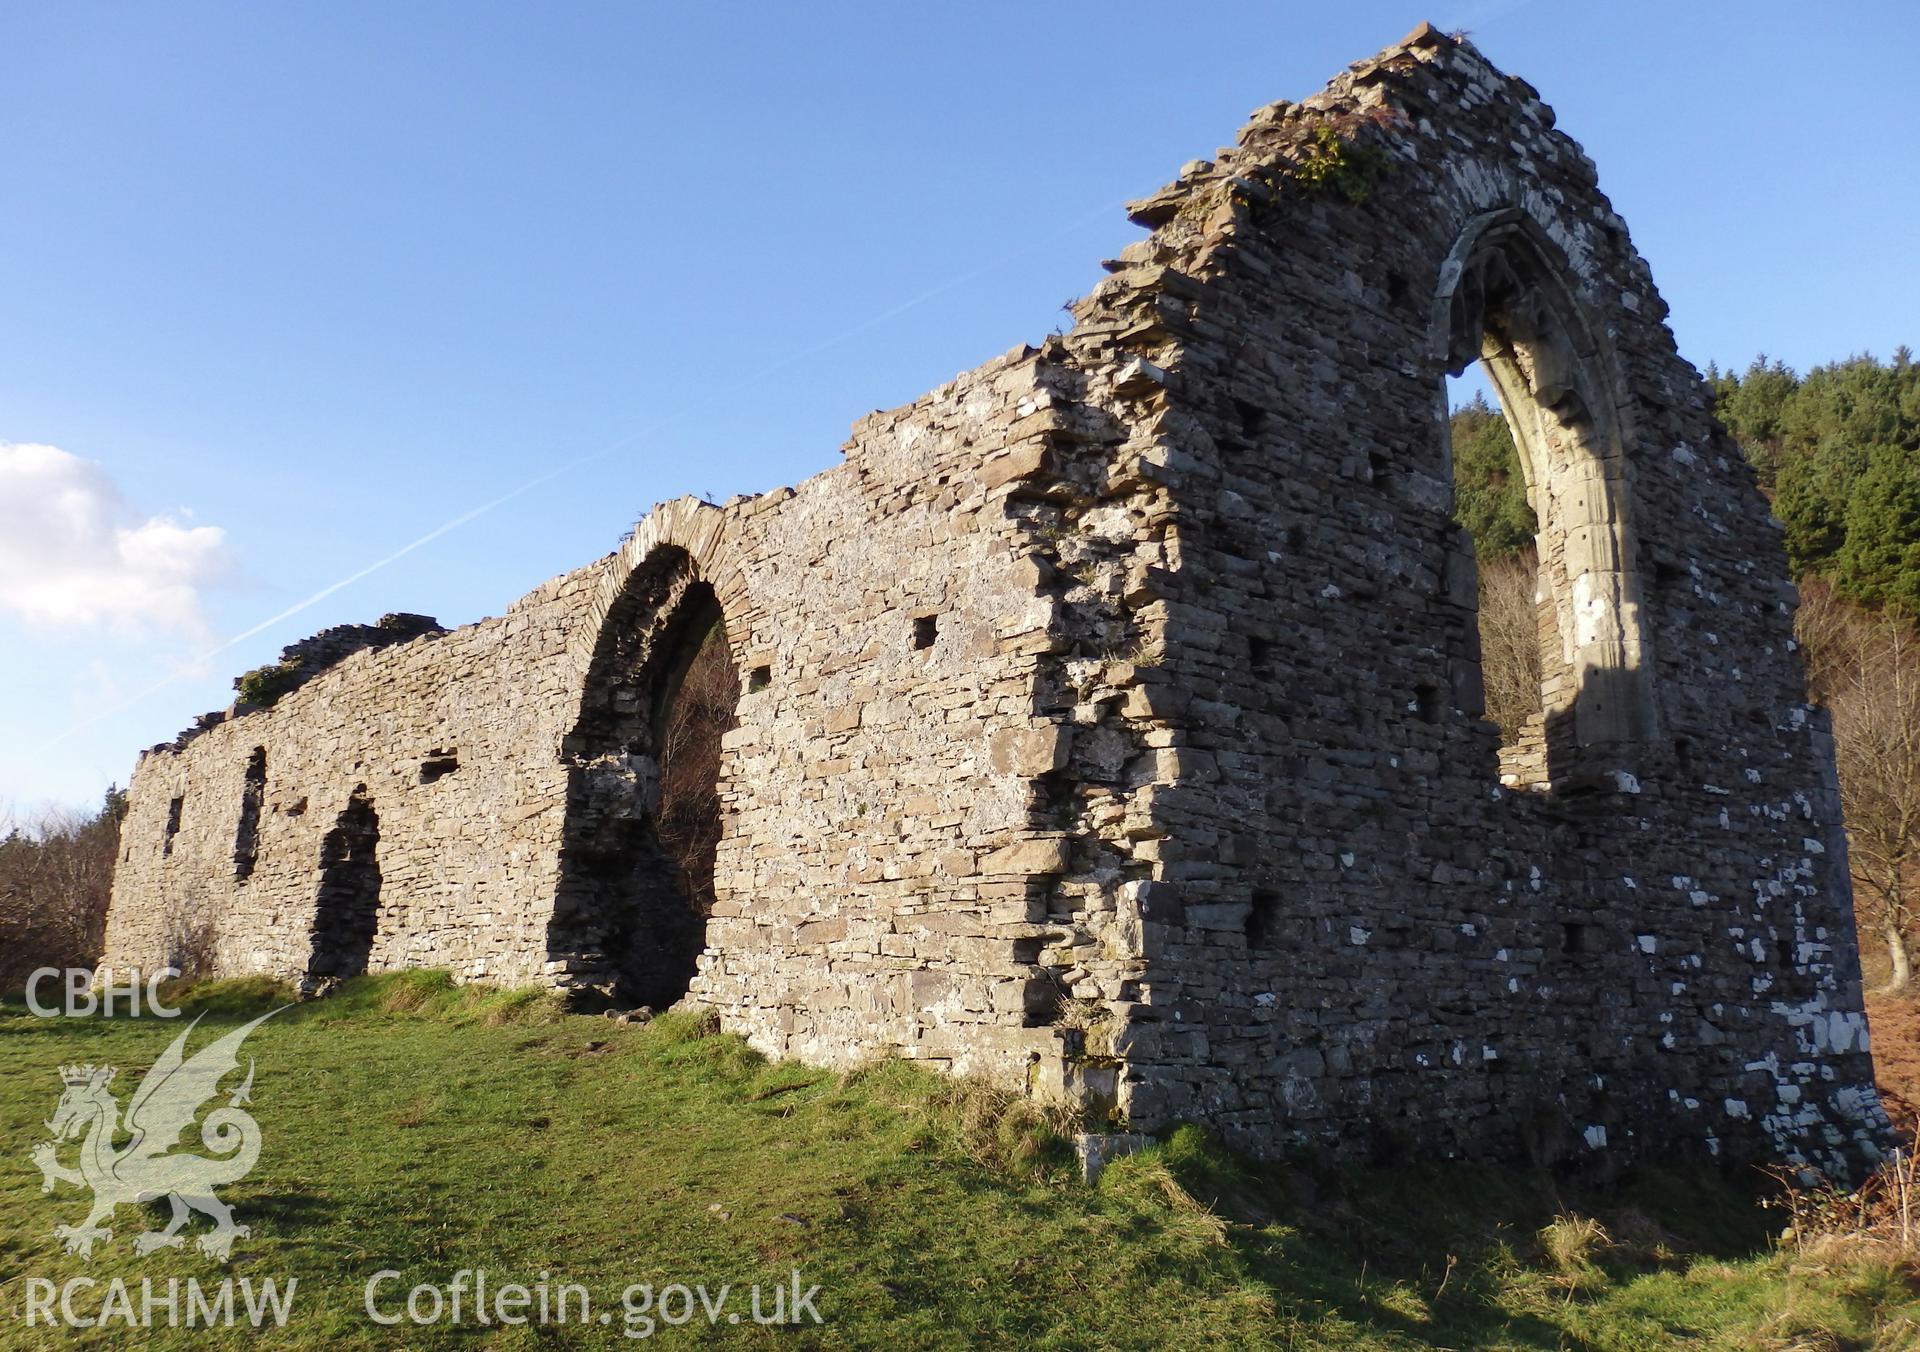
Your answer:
<point x="347" y="907"/>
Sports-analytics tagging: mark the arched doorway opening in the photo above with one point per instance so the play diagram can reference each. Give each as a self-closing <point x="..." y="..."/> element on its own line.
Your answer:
<point x="644" y="811"/>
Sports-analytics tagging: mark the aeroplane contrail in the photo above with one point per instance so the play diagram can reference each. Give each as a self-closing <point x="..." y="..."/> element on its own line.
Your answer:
<point x="620" y="444"/>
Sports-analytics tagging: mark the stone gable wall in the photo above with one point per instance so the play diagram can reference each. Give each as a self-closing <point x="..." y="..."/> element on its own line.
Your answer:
<point x="1353" y="935"/>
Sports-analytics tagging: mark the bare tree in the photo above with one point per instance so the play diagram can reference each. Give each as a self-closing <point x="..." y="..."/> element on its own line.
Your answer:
<point x="1865" y="667"/>
<point x="1826" y="626"/>
<point x="1510" y="666"/>
<point x="56" y="872"/>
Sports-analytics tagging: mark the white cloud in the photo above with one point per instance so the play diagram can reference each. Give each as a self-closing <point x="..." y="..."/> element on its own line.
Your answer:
<point x="75" y="554"/>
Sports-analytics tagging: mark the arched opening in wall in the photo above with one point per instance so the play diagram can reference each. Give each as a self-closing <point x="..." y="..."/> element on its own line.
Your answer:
<point x="347" y="907"/>
<point x="644" y="810"/>
<point x="1505" y="304"/>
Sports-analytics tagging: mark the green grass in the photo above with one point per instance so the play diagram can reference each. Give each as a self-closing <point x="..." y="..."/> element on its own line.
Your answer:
<point x="414" y="1125"/>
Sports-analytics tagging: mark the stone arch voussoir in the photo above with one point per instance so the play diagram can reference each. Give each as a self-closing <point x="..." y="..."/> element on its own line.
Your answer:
<point x="637" y="856"/>
<point x="709" y="537"/>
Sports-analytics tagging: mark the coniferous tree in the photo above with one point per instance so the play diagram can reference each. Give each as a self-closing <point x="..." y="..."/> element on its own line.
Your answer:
<point x="1490" y="492"/>
<point x="1838" y="450"/>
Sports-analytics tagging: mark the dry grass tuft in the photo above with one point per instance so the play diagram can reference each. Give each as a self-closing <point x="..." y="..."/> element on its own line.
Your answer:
<point x="1880" y="1218"/>
<point x="1008" y="1132"/>
<point x="412" y="991"/>
<point x="1573" y="1245"/>
<point x="1160" y="1176"/>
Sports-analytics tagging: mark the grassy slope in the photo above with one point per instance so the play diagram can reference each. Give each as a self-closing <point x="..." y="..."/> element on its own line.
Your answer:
<point x="411" y="1126"/>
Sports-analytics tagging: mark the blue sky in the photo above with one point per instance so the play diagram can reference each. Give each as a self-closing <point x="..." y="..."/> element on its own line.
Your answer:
<point x="284" y="288"/>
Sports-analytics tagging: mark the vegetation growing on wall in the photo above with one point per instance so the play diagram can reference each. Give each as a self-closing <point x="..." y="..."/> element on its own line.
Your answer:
<point x="1339" y="165"/>
<point x="265" y="685"/>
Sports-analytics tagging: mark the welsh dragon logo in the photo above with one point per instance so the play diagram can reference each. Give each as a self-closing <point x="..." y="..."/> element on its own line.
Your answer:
<point x="147" y="1167"/>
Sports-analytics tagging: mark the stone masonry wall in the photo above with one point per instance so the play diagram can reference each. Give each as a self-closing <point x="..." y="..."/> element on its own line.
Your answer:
<point x="1111" y="717"/>
<point x="876" y="874"/>
<point x="1350" y="935"/>
<point x="467" y="859"/>
<point x="880" y="867"/>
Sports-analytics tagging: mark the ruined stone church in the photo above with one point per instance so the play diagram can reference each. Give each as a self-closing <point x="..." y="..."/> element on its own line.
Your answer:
<point x="1108" y="723"/>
